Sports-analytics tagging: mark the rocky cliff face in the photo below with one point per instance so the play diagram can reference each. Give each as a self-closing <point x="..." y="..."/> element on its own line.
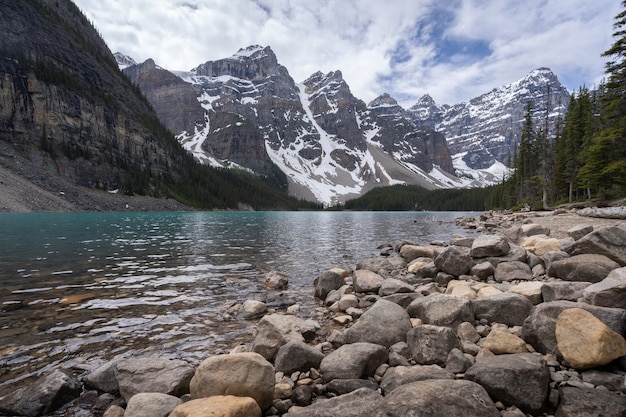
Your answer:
<point x="174" y="100"/>
<point x="65" y="108"/>
<point x="483" y="133"/>
<point x="330" y="144"/>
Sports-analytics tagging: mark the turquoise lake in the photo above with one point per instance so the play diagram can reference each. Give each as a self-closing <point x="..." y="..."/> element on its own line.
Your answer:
<point x="78" y="289"/>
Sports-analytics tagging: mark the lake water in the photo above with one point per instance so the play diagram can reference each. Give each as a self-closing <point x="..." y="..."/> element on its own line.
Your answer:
<point x="77" y="289"/>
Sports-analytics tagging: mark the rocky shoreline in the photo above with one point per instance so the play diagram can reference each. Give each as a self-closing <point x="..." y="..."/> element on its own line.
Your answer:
<point x="524" y="316"/>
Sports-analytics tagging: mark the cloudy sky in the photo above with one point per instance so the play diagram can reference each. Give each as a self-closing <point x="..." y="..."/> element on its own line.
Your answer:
<point x="453" y="50"/>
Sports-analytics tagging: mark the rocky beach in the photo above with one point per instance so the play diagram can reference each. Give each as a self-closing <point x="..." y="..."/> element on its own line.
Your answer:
<point x="524" y="315"/>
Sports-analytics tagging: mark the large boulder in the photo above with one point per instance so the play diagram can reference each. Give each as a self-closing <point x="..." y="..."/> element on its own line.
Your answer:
<point x="385" y="323"/>
<point x="610" y="292"/>
<point x="585" y="267"/>
<point x="151" y="404"/>
<point x="520" y="380"/>
<point x="103" y="378"/>
<point x="540" y="327"/>
<point x="297" y="356"/>
<point x="352" y="361"/>
<point x="431" y="344"/>
<point x="563" y="290"/>
<point x="489" y="245"/>
<point x="359" y="403"/>
<point x="437" y="398"/>
<point x="590" y="402"/>
<point x="44" y="396"/>
<point x="442" y="310"/>
<point x="513" y="271"/>
<point x="586" y="342"/>
<point x="151" y="374"/>
<point x="394" y="286"/>
<point x="274" y="330"/>
<point x="218" y="406"/>
<point x="326" y="282"/>
<point x="506" y="308"/>
<point x="607" y="241"/>
<point x="398" y="376"/>
<point x="454" y="260"/>
<point x="540" y="245"/>
<point x="241" y="374"/>
<point x="365" y="281"/>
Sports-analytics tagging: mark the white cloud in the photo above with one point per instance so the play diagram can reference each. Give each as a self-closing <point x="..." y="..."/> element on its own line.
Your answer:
<point x="453" y="51"/>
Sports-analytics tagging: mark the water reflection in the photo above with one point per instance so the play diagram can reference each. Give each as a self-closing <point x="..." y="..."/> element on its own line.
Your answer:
<point x="81" y="288"/>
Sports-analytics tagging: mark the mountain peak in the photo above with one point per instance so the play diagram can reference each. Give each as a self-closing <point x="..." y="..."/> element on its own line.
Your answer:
<point x="426" y="100"/>
<point x="253" y="51"/>
<point x="123" y="60"/>
<point x="383" y="100"/>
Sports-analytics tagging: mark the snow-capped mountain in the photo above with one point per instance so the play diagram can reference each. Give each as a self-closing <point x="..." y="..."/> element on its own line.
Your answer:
<point x="123" y="60"/>
<point x="247" y="111"/>
<point x="330" y="144"/>
<point x="482" y="133"/>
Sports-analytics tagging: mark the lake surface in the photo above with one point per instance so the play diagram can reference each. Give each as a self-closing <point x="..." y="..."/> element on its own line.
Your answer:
<point x="77" y="289"/>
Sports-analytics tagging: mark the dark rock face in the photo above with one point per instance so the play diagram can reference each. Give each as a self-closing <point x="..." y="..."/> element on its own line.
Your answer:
<point x="488" y="127"/>
<point x="73" y="116"/>
<point x="174" y="100"/>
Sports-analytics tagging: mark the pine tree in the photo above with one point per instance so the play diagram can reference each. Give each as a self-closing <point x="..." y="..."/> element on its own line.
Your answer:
<point x="605" y="164"/>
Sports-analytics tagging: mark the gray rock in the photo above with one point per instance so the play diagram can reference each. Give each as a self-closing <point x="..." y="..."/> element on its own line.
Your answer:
<point x="586" y="402"/>
<point x="274" y="330"/>
<point x="614" y="382"/>
<point x="43" y="396"/>
<point x="483" y="270"/>
<point x="151" y="404"/>
<point x="379" y="265"/>
<point x="520" y="379"/>
<point x="344" y="386"/>
<point x="365" y="281"/>
<point x="239" y="374"/>
<point x="431" y="344"/>
<point x="437" y="398"/>
<point x="563" y="290"/>
<point x="489" y="245"/>
<point x="466" y="332"/>
<point x="585" y="267"/>
<point x="539" y="328"/>
<point x="359" y="403"/>
<point x="515" y="254"/>
<point x="513" y="271"/>
<point x="384" y="323"/>
<point x="353" y="361"/>
<point x="326" y="282"/>
<point x="297" y="356"/>
<point x="454" y="260"/>
<point x="252" y="308"/>
<point x="579" y="231"/>
<point x="610" y="292"/>
<point x="458" y="240"/>
<point x="403" y="299"/>
<point x="103" y="378"/>
<point x="553" y="256"/>
<point x="506" y="308"/>
<point x="458" y="362"/>
<point x="442" y="310"/>
<point x="150" y="374"/>
<point x="401" y="375"/>
<point x="607" y="241"/>
<point x="393" y="286"/>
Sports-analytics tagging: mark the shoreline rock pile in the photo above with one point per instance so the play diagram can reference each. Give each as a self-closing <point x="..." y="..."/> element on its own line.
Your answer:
<point x="511" y="322"/>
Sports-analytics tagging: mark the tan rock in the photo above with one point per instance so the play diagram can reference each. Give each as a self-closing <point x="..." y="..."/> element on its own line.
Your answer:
<point x="241" y="374"/>
<point x="501" y="342"/>
<point x="218" y="406"/>
<point x="276" y="280"/>
<point x="344" y="273"/>
<point x="586" y="342"/>
<point x="530" y="290"/>
<point x="539" y="245"/>
<point x="463" y="291"/>
<point x="488" y="291"/>
<point x="410" y="252"/>
<point x="416" y="266"/>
